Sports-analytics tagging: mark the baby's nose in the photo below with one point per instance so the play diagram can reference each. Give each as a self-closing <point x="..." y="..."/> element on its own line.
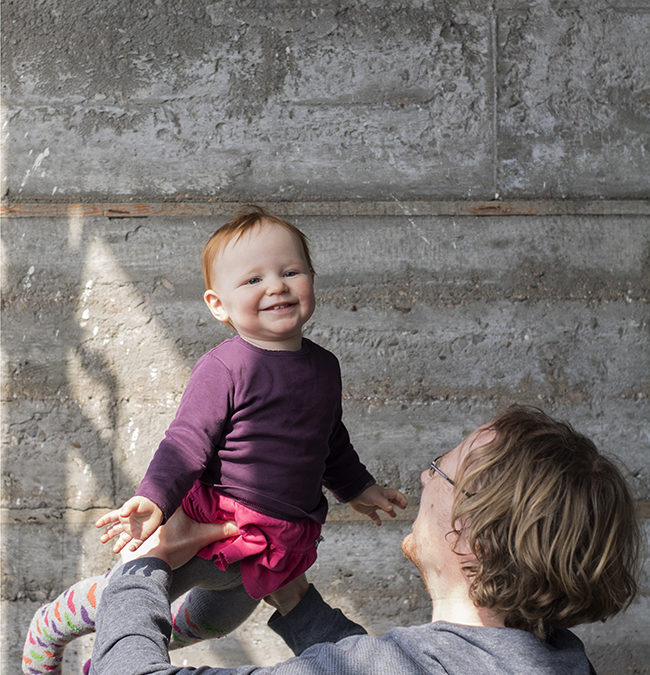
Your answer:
<point x="276" y="285"/>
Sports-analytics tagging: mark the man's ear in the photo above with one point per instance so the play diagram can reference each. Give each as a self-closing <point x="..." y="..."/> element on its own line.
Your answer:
<point x="215" y="306"/>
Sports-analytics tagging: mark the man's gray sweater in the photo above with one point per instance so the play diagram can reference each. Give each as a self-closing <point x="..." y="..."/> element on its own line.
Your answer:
<point x="133" y="628"/>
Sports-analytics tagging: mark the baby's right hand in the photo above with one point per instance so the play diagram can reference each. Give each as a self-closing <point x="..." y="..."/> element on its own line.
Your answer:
<point x="137" y="520"/>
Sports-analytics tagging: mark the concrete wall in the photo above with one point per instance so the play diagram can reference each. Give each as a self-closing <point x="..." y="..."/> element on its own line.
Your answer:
<point x="356" y="120"/>
<point x="288" y="100"/>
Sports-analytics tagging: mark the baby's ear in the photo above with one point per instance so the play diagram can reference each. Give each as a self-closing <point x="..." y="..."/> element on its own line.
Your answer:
<point x="215" y="306"/>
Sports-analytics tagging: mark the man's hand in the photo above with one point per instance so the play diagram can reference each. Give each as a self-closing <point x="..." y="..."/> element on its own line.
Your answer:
<point x="376" y="497"/>
<point x="181" y="538"/>
<point x="136" y="521"/>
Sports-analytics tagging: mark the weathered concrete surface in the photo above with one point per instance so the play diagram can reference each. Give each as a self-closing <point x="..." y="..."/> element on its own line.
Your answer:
<point x="222" y="98"/>
<point x="418" y="310"/>
<point x="257" y="100"/>
<point x="438" y="322"/>
<point x="573" y="100"/>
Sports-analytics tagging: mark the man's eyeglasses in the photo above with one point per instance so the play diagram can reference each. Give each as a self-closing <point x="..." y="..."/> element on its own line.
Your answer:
<point x="433" y="469"/>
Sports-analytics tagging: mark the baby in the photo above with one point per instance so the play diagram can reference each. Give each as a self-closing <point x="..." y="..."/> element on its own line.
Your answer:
<point x="257" y="435"/>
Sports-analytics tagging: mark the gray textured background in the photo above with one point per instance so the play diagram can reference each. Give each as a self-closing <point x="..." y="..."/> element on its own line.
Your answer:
<point x="359" y="121"/>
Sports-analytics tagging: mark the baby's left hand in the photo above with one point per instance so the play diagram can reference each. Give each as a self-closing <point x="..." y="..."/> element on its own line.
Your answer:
<point x="376" y="497"/>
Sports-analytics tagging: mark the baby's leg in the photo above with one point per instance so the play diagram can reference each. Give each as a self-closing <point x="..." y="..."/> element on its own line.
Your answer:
<point x="204" y="615"/>
<point x="55" y="624"/>
<point x="72" y="613"/>
<point x="216" y="605"/>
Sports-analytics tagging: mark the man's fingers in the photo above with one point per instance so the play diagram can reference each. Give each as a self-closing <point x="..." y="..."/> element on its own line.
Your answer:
<point x="135" y="544"/>
<point x="230" y="529"/>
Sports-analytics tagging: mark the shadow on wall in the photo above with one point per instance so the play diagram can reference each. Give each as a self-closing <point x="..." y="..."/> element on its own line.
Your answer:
<point x="104" y="320"/>
<point x="92" y="378"/>
<point x="100" y="337"/>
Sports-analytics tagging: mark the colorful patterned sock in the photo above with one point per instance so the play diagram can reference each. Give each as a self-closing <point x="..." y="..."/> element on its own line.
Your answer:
<point x="55" y="624"/>
<point x="201" y="615"/>
<point x="204" y="614"/>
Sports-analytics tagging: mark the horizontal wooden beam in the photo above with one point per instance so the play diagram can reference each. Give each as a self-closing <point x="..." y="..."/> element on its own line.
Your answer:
<point x="338" y="513"/>
<point x="393" y="207"/>
<point x="343" y="513"/>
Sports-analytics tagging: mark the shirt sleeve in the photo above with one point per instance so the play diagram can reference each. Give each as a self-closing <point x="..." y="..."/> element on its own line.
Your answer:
<point x="193" y="437"/>
<point x="134" y="625"/>
<point x="313" y="621"/>
<point x="345" y="475"/>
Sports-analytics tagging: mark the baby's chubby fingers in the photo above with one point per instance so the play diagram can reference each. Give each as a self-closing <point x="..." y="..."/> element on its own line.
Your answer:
<point x="126" y="539"/>
<point x="396" y="497"/>
<point x="374" y="517"/>
<point x="377" y="497"/>
<point x="108" y="518"/>
<point x="112" y="532"/>
<point x="386" y="505"/>
<point x="389" y="498"/>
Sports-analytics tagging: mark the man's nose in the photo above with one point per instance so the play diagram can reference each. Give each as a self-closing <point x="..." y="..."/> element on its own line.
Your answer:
<point x="425" y="476"/>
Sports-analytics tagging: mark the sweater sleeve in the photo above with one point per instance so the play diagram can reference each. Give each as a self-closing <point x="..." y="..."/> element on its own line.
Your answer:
<point x="134" y="624"/>
<point x="313" y="621"/>
<point x="345" y="475"/>
<point x="192" y="438"/>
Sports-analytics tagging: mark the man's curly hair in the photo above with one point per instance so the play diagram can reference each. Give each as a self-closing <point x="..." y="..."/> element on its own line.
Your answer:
<point x="551" y="523"/>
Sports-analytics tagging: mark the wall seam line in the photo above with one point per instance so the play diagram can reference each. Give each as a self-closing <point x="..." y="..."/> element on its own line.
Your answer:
<point x="495" y="98"/>
<point x="371" y="208"/>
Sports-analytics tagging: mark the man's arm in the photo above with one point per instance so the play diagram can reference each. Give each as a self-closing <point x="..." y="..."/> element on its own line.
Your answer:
<point x="134" y="624"/>
<point x="133" y="621"/>
<point x="311" y="622"/>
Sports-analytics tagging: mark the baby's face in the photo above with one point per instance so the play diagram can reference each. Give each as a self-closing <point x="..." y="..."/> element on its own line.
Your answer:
<point x="262" y="285"/>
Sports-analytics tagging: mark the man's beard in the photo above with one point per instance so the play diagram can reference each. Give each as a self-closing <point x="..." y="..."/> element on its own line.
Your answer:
<point x="409" y="549"/>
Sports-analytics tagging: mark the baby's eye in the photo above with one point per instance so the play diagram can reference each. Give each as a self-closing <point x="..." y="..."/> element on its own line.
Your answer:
<point x="290" y="274"/>
<point x="253" y="280"/>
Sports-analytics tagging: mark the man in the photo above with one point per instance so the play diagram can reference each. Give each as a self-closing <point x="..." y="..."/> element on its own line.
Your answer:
<point x="523" y="530"/>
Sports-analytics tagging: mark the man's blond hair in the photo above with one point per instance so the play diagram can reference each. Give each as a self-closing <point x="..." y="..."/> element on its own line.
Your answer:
<point x="551" y="523"/>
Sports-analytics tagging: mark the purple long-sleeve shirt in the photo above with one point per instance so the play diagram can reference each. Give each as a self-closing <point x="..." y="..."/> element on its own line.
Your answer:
<point x="265" y="428"/>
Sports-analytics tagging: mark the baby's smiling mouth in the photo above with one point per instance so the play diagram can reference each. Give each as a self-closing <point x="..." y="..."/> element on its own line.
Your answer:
<point x="283" y="305"/>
